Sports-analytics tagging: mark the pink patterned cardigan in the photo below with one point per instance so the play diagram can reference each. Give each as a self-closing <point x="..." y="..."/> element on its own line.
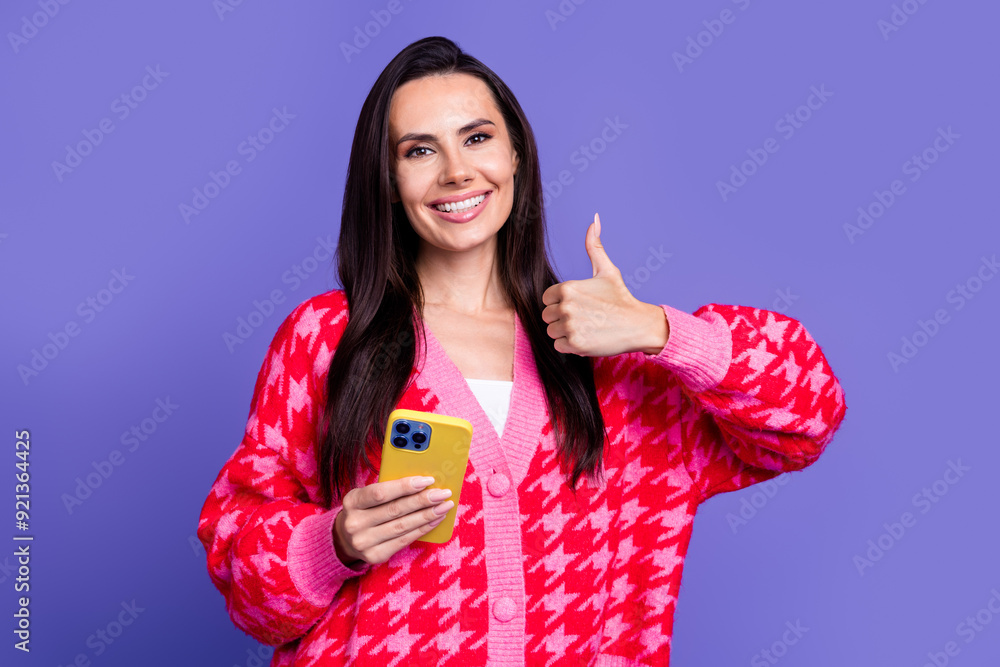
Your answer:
<point x="533" y="575"/>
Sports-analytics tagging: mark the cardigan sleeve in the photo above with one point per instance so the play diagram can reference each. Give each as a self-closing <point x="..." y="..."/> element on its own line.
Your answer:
<point x="270" y="547"/>
<point x="757" y="396"/>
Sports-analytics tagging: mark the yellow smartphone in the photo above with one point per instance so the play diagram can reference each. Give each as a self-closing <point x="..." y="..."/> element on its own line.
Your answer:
<point x="431" y="445"/>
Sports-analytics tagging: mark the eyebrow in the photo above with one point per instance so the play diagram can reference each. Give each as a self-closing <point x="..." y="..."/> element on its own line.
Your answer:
<point x="468" y="127"/>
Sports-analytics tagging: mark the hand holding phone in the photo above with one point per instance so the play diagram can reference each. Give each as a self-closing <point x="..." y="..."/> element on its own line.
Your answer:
<point x="420" y="449"/>
<point x="432" y="445"/>
<point x="378" y="520"/>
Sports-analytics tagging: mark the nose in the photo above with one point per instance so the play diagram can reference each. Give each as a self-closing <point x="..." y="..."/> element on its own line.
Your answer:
<point x="455" y="168"/>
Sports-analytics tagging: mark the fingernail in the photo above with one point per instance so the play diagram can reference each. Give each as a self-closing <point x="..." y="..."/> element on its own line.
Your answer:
<point x="439" y="494"/>
<point x="422" y="482"/>
<point x="444" y="507"/>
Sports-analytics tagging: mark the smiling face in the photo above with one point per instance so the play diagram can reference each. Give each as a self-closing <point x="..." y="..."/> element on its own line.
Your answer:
<point x="450" y="143"/>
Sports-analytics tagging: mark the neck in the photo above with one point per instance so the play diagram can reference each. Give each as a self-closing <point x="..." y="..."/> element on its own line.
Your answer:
<point x="462" y="282"/>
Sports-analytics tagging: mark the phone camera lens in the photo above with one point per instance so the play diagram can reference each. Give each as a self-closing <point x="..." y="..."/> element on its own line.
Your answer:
<point x="399" y="441"/>
<point x="417" y="446"/>
<point x="419" y="437"/>
<point x="402" y="427"/>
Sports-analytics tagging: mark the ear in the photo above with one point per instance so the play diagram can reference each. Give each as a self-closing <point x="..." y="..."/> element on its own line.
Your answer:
<point x="517" y="161"/>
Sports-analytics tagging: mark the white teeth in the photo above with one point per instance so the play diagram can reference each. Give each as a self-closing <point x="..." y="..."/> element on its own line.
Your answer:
<point x="461" y="205"/>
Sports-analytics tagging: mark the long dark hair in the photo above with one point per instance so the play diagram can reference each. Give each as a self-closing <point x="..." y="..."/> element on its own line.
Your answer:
<point x="376" y="262"/>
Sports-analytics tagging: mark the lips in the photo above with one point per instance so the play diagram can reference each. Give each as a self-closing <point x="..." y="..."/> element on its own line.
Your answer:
<point x="456" y="198"/>
<point x="467" y="214"/>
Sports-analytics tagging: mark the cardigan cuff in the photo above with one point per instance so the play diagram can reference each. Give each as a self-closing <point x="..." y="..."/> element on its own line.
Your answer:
<point x="699" y="349"/>
<point x="313" y="564"/>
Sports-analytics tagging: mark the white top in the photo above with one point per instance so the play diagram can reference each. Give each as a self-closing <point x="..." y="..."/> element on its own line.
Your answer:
<point x="494" y="396"/>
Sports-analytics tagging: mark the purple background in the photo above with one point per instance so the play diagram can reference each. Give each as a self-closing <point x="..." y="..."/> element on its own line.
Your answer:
<point x="655" y="186"/>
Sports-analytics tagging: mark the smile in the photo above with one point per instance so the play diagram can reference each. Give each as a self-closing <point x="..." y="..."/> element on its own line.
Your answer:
<point x="460" y="206"/>
<point x="463" y="211"/>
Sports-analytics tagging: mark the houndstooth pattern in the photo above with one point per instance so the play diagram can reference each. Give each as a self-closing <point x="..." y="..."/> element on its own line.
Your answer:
<point x="601" y="568"/>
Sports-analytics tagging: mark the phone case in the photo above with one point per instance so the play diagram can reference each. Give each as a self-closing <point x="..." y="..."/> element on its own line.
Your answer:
<point x="442" y="453"/>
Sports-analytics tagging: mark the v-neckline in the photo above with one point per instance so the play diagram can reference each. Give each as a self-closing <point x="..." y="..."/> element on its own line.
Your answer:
<point x="527" y="413"/>
<point x="441" y="346"/>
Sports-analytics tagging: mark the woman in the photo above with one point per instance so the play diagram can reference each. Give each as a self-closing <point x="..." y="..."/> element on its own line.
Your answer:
<point x="578" y="500"/>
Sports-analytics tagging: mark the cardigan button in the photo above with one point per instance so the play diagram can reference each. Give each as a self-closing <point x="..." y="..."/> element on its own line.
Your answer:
<point x="498" y="485"/>
<point x="504" y="609"/>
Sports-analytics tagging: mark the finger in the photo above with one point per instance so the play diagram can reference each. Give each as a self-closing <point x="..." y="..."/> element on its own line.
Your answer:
<point x="599" y="259"/>
<point x="553" y="313"/>
<point x="373" y="526"/>
<point x="559" y="292"/>
<point x="380" y="493"/>
<point x="393" y="535"/>
<point x="407" y="518"/>
<point x="383" y="551"/>
<point x="557" y="329"/>
<point x="407" y="505"/>
<point x="552" y="294"/>
<point x="562" y="346"/>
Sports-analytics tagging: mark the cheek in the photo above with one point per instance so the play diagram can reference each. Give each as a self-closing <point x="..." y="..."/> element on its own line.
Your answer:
<point x="499" y="168"/>
<point x="411" y="181"/>
<point x="410" y="192"/>
<point x="505" y="184"/>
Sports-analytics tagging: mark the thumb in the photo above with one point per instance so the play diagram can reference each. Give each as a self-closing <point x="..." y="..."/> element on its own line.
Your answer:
<point x="599" y="259"/>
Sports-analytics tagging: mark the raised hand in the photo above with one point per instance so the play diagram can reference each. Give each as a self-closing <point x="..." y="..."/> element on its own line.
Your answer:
<point x="598" y="316"/>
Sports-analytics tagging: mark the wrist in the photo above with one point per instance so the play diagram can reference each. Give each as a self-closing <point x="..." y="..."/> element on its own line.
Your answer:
<point x="347" y="560"/>
<point x="657" y="332"/>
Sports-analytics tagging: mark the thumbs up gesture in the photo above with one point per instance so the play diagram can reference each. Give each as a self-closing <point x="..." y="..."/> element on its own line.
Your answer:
<point x="598" y="316"/>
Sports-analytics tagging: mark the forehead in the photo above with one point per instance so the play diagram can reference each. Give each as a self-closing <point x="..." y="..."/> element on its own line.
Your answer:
<point x="437" y="103"/>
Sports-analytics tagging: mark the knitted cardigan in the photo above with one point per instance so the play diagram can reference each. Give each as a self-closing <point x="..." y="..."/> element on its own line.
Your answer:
<point x="533" y="574"/>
